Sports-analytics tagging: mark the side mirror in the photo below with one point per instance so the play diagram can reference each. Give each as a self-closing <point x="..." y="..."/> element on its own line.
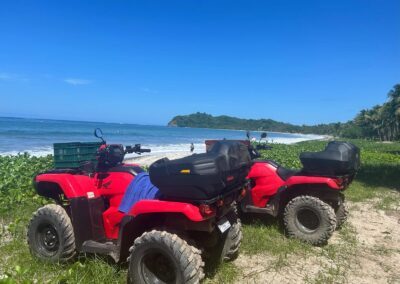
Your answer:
<point x="99" y="134"/>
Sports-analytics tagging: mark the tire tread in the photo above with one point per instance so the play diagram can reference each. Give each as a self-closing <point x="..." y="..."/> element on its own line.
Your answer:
<point x="328" y="215"/>
<point x="188" y="256"/>
<point x="62" y="221"/>
<point x="342" y="213"/>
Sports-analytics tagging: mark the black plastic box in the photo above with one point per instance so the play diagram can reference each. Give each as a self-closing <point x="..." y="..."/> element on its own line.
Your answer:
<point x="202" y="176"/>
<point x="338" y="158"/>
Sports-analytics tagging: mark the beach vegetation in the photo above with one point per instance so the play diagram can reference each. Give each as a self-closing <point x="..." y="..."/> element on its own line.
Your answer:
<point x="378" y="180"/>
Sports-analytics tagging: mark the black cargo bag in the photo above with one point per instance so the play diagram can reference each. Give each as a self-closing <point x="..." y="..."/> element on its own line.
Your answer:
<point x="202" y="176"/>
<point x="338" y="158"/>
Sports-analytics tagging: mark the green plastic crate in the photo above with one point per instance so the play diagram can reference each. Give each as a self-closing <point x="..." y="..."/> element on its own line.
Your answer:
<point x="72" y="154"/>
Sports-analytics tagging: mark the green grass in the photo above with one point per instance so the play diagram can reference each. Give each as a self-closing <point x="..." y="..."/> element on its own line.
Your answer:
<point x="389" y="202"/>
<point x="17" y="263"/>
<point x="378" y="179"/>
<point x="263" y="236"/>
<point x="226" y="273"/>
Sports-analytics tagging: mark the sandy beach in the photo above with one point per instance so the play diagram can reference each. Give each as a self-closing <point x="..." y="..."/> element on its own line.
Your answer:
<point x="147" y="160"/>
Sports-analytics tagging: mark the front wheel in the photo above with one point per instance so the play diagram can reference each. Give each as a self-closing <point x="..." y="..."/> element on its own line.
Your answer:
<point x="309" y="219"/>
<point x="162" y="257"/>
<point x="50" y="234"/>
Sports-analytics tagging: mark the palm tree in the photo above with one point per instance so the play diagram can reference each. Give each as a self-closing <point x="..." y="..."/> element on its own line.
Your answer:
<point x="382" y="121"/>
<point x="388" y="120"/>
<point x="394" y="101"/>
<point x="370" y="122"/>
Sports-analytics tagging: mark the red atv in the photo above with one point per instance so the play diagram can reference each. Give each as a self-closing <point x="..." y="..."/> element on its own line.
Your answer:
<point x="310" y="201"/>
<point x="164" y="238"/>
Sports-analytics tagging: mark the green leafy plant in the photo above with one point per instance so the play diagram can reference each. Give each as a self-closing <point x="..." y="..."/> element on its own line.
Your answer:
<point x="16" y="176"/>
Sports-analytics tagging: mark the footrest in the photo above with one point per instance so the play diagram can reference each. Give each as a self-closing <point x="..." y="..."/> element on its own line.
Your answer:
<point x="262" y="210"/>
<point x="107" y="248"/>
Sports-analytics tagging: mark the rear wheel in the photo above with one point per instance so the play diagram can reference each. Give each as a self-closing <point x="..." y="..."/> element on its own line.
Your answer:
<point x="234" y="237"/>
<point x="50" y="234"/>
<point x="162" y="257"/>
<point x="342" y="213"/>
<point x="309" y="219"/>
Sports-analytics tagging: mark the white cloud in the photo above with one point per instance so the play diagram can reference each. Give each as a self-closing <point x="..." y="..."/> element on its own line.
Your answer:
<point x="75" y="81"/>
<point x="12" y="77"/>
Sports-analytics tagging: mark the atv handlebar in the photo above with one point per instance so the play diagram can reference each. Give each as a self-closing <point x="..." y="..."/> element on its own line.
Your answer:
<point x="263" y="147"/>
<point x="253" y="150"/>
<point x="136" y="149"/>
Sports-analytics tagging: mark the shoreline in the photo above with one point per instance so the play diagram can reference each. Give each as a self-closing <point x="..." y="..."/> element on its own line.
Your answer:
<point x="147" y="160"/>
<point x="36" y="136"/>
<point x="171" y="154"/>
<point x="173" y="148"/>
<point x="257" y="131"/>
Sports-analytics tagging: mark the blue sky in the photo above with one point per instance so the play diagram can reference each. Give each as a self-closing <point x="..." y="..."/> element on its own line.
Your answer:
<point x="146" y="61"/>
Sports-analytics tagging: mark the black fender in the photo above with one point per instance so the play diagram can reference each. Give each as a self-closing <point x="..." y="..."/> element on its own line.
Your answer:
<point x="50" y="190"/>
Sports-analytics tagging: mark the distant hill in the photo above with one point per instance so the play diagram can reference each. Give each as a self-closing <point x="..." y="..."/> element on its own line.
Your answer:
<point x="382" y="122"/>
<point x="204" y="120"/>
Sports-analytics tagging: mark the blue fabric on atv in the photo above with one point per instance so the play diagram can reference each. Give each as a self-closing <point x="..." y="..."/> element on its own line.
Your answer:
<point x="139" y="189"/>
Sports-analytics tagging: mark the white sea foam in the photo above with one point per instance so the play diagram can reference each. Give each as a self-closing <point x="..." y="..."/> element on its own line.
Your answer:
<point x="171" y="148"/>
<point x="303" y="137"/>
<point x="38" y="152"/>
<point x="168" y="148"/>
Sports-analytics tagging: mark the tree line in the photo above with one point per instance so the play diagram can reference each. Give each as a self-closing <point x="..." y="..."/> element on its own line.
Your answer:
<point x="382" y="122"/>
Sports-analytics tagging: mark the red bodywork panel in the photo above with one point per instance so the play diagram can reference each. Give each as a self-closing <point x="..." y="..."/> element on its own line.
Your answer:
<point x="112" y="186"/>
<point x="295" y="180"/>
<point x="191" y="211"/>
<point x="267" y="182"/>
<point x="72" y="185"/>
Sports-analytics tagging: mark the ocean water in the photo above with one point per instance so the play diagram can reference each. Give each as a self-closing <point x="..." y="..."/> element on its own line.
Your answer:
<point x="36" y="136"/>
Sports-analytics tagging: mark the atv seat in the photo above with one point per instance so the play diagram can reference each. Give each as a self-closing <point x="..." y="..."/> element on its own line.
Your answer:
<point x="131" y="169"/>
<point x="285" y="173"/>
<point x="282" y="172"/>
<point x="203" y="176"/>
